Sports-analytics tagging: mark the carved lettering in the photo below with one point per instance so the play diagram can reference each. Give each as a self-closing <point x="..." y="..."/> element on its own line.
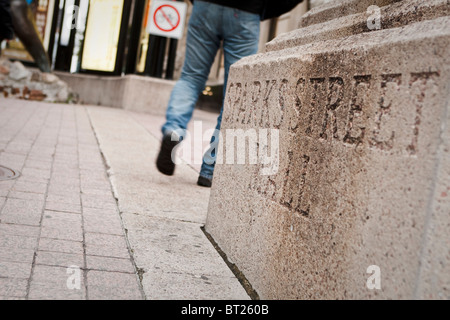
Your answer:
<point x="254" y="98"/>
<point x="419" y="86"/>
<point x="278" y="113"/>
<point x="355" y="127"/>
<point x="294" y="185"/>
<point x="317" y="86"/>
<point x="335" y="96"/>
<point x="233" y="100"/>
<point x="243" y="105"/>
<point x="265" y="110"/>
<point x="390" y="86"/>
<point x="298" y="104"/>
<point x="336" y="109"/>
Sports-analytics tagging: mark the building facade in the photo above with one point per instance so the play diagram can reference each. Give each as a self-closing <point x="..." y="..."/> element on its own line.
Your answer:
<point x="110" y="39"/>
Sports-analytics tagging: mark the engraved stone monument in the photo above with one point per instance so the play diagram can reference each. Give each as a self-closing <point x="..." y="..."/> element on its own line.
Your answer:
<point x="357" y="205"/>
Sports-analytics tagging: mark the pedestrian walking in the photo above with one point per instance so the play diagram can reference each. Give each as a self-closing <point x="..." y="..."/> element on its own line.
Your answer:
<point x="236" y="24"/>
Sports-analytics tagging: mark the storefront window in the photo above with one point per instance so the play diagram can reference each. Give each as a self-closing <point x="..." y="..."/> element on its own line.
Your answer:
<point x="143" y="42"/>
<point x="79" y="36"/>
<point x="102" y="35"/>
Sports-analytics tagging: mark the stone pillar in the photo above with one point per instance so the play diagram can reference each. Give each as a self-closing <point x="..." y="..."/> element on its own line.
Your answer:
<point x="317" y="3"/>
<point x="357" y="192"/>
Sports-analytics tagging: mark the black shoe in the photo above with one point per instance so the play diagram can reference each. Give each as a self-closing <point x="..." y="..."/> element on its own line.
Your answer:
<point x="164" y="161"/>
<point x="204" y="182"/>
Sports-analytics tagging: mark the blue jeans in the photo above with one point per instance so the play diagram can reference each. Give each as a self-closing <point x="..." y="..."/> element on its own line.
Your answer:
<point x="208" y="26"/>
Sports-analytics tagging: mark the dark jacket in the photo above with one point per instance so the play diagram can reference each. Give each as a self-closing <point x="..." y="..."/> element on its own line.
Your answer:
<point x="265" y="8"/>
<point x="275" y="8"/>
<point x="6" y="27"/>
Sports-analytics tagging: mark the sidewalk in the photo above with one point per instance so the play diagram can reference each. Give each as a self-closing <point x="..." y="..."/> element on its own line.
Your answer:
<point x="91" y="218"/>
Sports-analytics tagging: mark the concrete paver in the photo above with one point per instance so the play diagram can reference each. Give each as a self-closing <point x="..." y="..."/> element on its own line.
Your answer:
<point x="163" y="215"/>
<point x="91" y="218"/>
<point x="46" y="221"/>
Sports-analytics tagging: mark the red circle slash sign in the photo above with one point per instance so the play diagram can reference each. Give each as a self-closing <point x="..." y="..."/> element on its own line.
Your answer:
<point x="167" y="18"/>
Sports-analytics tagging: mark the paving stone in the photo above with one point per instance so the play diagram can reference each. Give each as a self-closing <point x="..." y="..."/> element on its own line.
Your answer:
<point x="106" y="245"/>
<point x="65" y="160"/>
<point x="5" y="187"/>
<point x="94" y="176"/>
<point x="26" y="196"/>
<point x="62" y="233"/>
<point x="55" y="245"/>
<point x="109" y="264"/>
<point x="19" y="230"/>
<point x="13" y="161"/>
<point x="57" y="218"/>
<point x="3" y="298"/>
<point x="65" y="169"/>
<point x="28" y="186"/>
<point x="36" y="175"/>
<point x="19" y="211"/>
<point x="15" y="270"/>
<point x="113" y="285"/>
<point x="97" y="191"/>
<point x="40" y="158"/>
<point x="102" y="185"/>
<point x="114" y="293"/>
<point x="92" y="201"/>
<point x="63" y="207"/>
<point x="59" y="259"/>
<point x="86" y="150"/>
<point x="67" y="141"/>
<point x="65" y="198"/>
<point x="62" y="193"/>
<point x="93" y="159"/>
<point x="31" y="219"/>
<point x="42" y="151"/>
<point x="102" y="223"/>
<point x="37" y="164"/>
<point x="11" y="287"/>
<point x="53" y="274"/>
<point x="22" y="206"/>
<point x="18" y="148"/>
<point x="162" y="285"/>
<point x="63" y="188"/>
<point x="57" y="283"/>
<point x="67" y="149"/>
<point x="11" y="254"/>
<point x="175" y="247"/>
<point x="55" y="291"/>
<point x="20" y="242"/>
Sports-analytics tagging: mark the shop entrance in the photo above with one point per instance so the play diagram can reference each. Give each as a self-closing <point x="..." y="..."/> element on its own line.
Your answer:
<point x="108" y="37"/>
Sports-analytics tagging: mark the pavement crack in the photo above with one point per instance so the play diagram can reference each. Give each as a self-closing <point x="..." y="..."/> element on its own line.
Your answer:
<point x="238" y="274"/>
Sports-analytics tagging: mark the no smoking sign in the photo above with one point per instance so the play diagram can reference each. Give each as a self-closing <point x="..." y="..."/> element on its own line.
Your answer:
<point x="167" y="18"/>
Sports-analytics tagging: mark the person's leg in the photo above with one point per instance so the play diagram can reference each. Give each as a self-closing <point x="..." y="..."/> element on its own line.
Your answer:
<point x="241" y="39"/>
<point x="202" y="44"/>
